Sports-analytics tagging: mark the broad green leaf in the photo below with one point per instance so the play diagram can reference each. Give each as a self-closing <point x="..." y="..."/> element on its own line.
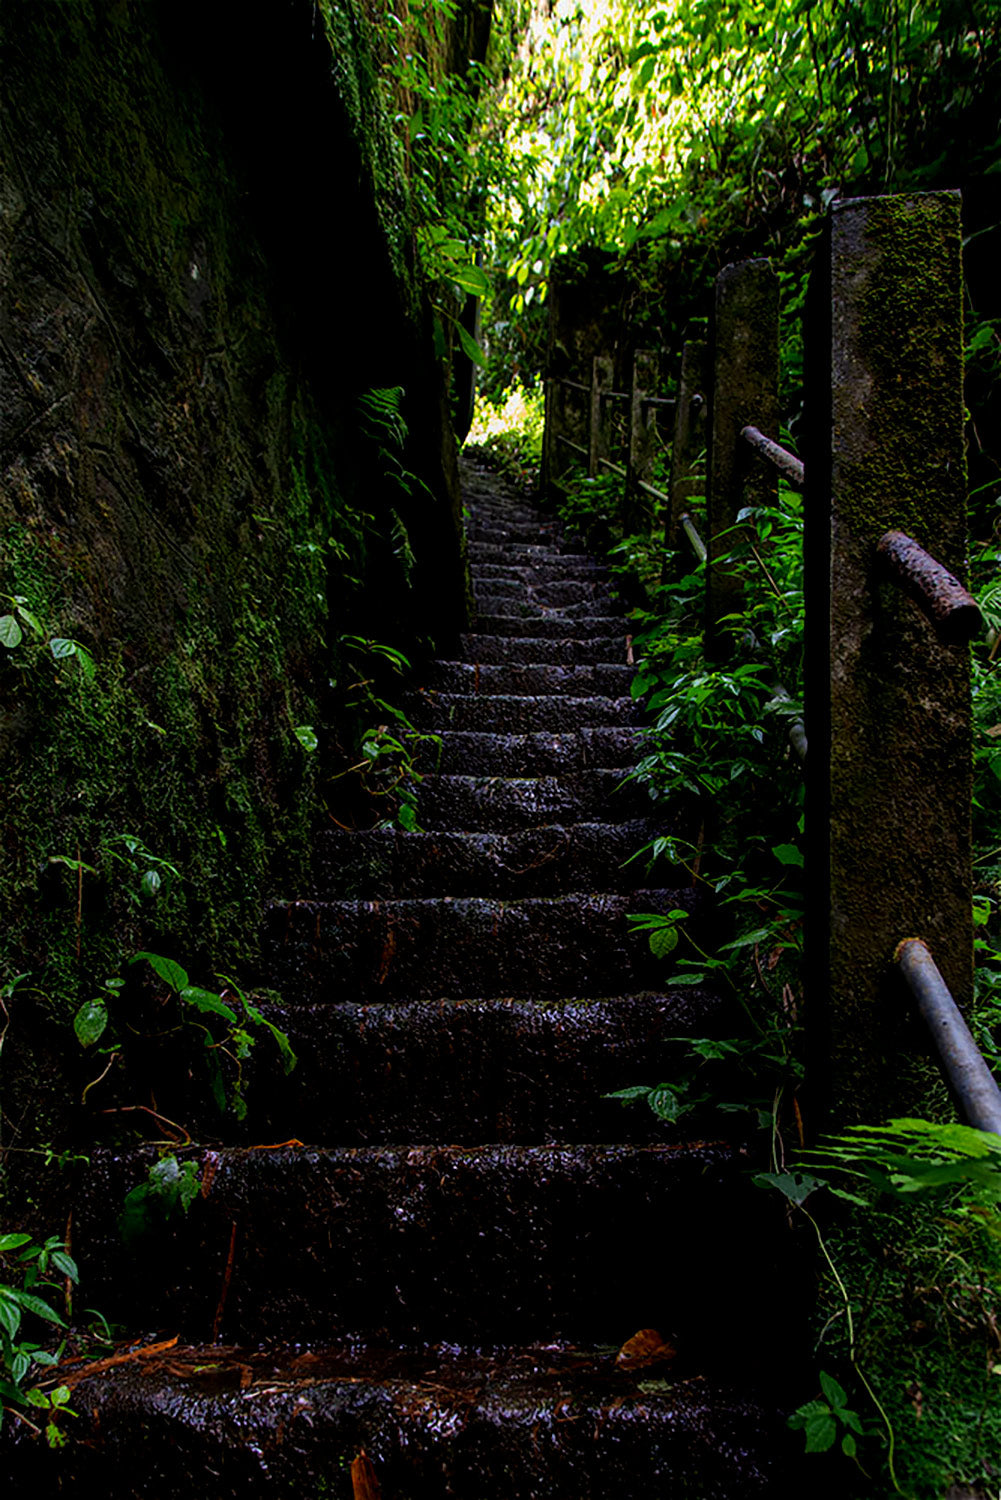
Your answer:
<point x="796" y="1186"/>
<point x="634" y="1091"/>
<point x="35" y="1305"/>
<point x="471" y="279"/>
<point x="13" y="1242"/>
<point x="306" y="735"/>
<point x="90" y="1021"/>
<point x="11" y="634"/>
<point x="10" y="1312"/>
<point x="209" y="1002"/>
<point x="151" y="883"/>
<point x="66" y="1264"/>
<point x="31" y="620"/>
<point x="835" y="1393"/>
<point x="470" y="347"/>
<point x="788" y="854"/>
<point x="61" y="647"/>
<point x="166" y="969"/>
<point x="663" y="940"/>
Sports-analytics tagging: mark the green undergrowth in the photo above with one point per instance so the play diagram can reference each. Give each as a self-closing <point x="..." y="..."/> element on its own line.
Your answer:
<point x="906" y="1222"/>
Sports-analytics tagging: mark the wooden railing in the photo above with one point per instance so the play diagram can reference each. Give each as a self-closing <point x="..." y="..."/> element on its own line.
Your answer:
<point x="888" y="620"/>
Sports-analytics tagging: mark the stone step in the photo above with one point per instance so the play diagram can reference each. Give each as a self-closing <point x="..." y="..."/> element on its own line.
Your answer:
<point x="535" y="649"/>
<point x="460" y="946"/>
<point x="557" y="568"/>
<point x="532" y="681"/>
<point x="501" y="804"/>
<point x="550" y="593"/>
<point x="500" y="532"/>
<point x="523" y="552"/>
<point x="507" y="713"/>
<point x="467" y="1071"/>
<point x="600" y="607"/>
<point x="482" y="1244"/>
<point x="554" y="627"/>
<point x="436" y="1423"/>
<point x="385" y="863"/>
<point x="465" y="752"/>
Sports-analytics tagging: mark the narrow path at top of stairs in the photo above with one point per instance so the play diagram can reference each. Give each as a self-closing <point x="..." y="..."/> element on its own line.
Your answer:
<point x="443" y="1273"/>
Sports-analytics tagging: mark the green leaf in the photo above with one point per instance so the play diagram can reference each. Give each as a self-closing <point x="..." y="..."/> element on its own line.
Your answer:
<point x="13" y="1242"/>
<point x="470" y="347"/>
<point x="11" y="634"/>
<point x="796" y="1186"/>
<point x="10" y="1312"/>
<point x="66" y="1264"/>
<point x="634" y="1091"/>
<point x="471" y="279"/>
<point x="61" y="647"/>
<point x="849" y="1447"/>
<point x="306" y="735"/>
<point x="835" y="1393"/>
<point x="90" y="1021"/>
<point x="208" y="1002"/>
<point x="788" y="854"/>
<point x="151" y="883"/>
<point x="663" y="940"/>
<point x="32" y="621"/>
<point x="35" y="1305"/>
<point x="166" y="969"/>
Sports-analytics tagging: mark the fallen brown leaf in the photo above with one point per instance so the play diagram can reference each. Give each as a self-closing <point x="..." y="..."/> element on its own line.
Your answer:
<point x="364" y="1484"/>
<point x="644" y="1350"/>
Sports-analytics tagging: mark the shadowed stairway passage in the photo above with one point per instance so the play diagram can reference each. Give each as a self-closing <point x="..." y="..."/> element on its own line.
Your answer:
<point x="444" y="1272"/>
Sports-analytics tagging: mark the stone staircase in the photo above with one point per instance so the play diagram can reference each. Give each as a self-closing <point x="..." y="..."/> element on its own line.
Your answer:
<point x="443" y="1273"/>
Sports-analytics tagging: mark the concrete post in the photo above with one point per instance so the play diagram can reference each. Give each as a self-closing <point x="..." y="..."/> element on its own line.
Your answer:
<point x="689" y="441"/>
<point x="600" y="426"/>
<point x="888" y="712"/>
<point x="637" y="507"/>
<point x="744" y="392"/>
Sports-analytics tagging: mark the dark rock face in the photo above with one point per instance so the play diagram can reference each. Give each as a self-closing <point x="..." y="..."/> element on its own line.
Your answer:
<point x="454" y="1225"/>
<point x="206" y="261"/>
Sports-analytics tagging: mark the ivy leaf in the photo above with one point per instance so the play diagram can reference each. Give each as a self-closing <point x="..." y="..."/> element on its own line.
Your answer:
<point x="306" y="735"/>
<point x="90" y="1021"/>
<point x="11" y="634"/>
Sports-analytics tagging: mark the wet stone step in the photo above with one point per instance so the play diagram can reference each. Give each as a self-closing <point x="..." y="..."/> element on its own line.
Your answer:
<point x="499" y="532"/>
<point x="437" y="1423"/>
<point x="555" y="569"/>
<point x="387" y="863"/>
<point x="500" y="713"/>
<point x="481" y="1243"/>
<point x="468" y="1071"/>
<point x="551" y="592"/>
<point x="555" y="627"/>
<point x="535" y="649"/>
<point x="503" y="803"/>
<point x="454" y="947"/>
<point x="465" y="752"/>
<point x="599" y="607"/>
<point x="576" y="681"/>
<point x="523" y="553"/>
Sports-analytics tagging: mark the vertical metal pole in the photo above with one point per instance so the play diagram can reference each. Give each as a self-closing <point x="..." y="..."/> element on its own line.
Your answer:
<point x="888" y="711"/>
<point x="744" y="391"/>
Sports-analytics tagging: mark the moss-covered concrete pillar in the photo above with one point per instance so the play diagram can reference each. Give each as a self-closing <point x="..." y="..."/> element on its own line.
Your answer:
<point x="744" y="392"/>
<point x="888" y="714"/>
<point x="637" y="506"/>
<point x="600" y="425"/>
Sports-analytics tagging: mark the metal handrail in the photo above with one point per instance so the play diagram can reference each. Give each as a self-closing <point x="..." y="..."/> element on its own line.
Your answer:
<point x="953" y="611"/>
<point x="963" y="1064"/>
<point x="571" y="444"/>
<point x="789" y="466"/>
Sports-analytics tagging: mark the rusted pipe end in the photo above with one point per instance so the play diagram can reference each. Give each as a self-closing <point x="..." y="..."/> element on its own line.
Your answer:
<point x="898" y="953"/>
<point x="952" y="609"/>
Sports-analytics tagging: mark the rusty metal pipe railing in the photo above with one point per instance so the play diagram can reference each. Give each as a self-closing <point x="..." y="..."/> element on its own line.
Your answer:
<point x="971" y="1080"/>
<point x="789" y="466"/>
<point x="570" y="444"/>
<point x="606" y="463"/>
<point x="953" y="611"/>
<point x="698" y="545"/>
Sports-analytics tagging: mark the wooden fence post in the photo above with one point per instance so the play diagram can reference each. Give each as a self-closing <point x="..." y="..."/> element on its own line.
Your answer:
<point x="888" y="713"/>
<point x="744" y="392"/>
<point x="637" y="509"/>
<point x="600" y="426"/>
<point x="689" y="438"/>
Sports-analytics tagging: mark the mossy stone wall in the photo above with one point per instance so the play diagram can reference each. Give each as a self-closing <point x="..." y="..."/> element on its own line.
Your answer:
<point x="207" y="259"/>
